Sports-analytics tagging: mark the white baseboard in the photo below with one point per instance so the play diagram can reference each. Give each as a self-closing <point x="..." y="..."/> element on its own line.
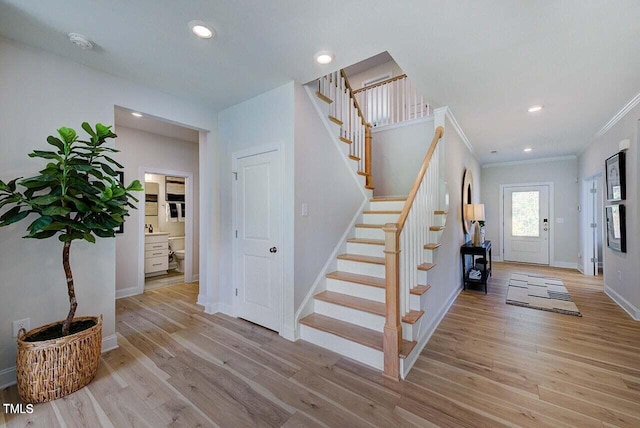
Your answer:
<point x="8" y="376"/>
<point x="127" y="292"/>
<point x="288" y="333"/>
<point x="408" y="363"/>
<point x="565" y="265"/>
<point x="195" y="278"/>
<point x="622" y="302"/>
<point x="218" y="307"/>
<point x="202" y="300"/>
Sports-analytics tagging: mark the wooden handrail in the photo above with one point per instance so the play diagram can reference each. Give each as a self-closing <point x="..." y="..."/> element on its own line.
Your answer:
<point x="375" y="85"/>
<point x="416" y="184"/>
<point x="355" y="101"/>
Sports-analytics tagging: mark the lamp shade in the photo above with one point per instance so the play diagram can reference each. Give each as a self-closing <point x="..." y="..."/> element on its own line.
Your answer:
<point x="475" y="212"/>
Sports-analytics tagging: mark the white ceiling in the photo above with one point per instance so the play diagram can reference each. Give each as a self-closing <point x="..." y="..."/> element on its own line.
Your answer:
<point x="123" y="117"/>
<point x="487" y="60"/>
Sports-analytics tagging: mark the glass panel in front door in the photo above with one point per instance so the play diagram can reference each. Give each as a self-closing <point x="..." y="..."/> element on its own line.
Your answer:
<point x="525" y="214"/>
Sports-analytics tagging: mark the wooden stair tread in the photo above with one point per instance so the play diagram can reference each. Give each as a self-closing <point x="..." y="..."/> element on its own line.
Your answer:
<point x="355" y="158"/>
<point x="366" y="241"/>
<point x="426" y="266"/>
<point x="369" y="187"/>
<point x="370" y="226"/>
<point x="436" y="228"/>
<point x="335" y="120"/>
<point x="362" y="259"/>
<point x="440" y="212"/>
<point x="362" y="172"/>
<point x="323" y="97"/>
<point x="412" y="317"/>
<point x="431" y="246"/>
<point x="365" y="305"/>
<point x="346" y="140"/>
<point x="419" y="290"/>
<point x="391" y="199"/>
<point x="372" y="281"/>
<point x="381" y="212"/>
<point x="354" y="333"/>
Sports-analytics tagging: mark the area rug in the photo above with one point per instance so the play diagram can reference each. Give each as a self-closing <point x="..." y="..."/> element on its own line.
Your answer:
<point x="539" y="292"/>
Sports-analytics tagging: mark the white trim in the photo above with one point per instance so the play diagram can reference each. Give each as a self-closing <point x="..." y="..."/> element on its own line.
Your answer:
<point x="286" y="290"/>
<point x="337" y="143"/>
<point x="195" y="278"/>
<point x="619" y="115"/>
<point x="565" y="265"/>
<point x="127" y="292"/>
<point x="202" y="299"/>
<point x="408" y="363"/>
<point x="622" y="302"/>
<point x="377" y="129"/>
<point x="377" y="79"/>
<point x="454" y="122"/>
<point x="188" y="238"/>
<point x="586" y="266"/>
<point x="552" y="218"/>
<point x="8" y="376"/>
<point x="529" y="161"/>
<point x="306" y="307"/>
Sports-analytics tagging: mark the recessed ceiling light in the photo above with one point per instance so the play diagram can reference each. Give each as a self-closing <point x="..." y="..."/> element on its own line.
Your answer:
<point x="80" y="41"/>
<point x="535" y="108"/>
<point x="323" y="57"/>
<point x="136" y="114"/>
<point x="528" y="149"/>
<point x="201" y="30"/>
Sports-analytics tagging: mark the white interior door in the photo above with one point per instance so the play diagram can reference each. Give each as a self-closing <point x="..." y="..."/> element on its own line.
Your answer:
<point x="258" y="260"/>
<point x="526" y="224"/>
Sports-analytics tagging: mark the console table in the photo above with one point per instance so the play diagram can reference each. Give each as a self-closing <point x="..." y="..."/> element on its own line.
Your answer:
<point x="484" y="251"/>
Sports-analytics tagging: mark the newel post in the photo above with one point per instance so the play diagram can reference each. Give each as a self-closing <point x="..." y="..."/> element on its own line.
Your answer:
<point x="392" y="338"/>
<point x="367" y="155"/>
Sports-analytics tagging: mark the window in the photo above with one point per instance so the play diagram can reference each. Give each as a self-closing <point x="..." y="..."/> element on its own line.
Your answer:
<point x="525" y="214"/>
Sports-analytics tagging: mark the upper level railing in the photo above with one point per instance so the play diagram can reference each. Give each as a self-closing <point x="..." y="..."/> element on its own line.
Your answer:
<point x="345" y="111"/>
<point x="392" y="101"/>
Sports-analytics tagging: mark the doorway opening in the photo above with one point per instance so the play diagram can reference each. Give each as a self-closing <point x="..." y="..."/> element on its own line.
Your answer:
<point x="592" y="212"/>
<point x="526" y="217"/>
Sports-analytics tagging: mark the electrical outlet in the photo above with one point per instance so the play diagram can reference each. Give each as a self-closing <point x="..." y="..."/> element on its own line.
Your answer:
<point x="305" y="210"/>
<point x="17" y="325"/>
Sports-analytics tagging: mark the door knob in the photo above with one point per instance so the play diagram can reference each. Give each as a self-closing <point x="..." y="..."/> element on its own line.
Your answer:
<point x="273" y="250"/>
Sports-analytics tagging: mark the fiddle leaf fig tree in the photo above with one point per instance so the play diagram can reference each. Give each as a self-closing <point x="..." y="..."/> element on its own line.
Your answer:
<point x="77" y="196"/>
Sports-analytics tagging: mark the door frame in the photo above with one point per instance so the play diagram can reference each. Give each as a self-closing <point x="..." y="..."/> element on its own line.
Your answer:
<point x="235" y="156"/>
<point x="552" y="260"/>
<point x="188" y="228"/>
<point x="586" y="212"/>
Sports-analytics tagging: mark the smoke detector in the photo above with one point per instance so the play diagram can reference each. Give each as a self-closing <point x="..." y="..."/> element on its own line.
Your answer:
<point x="80" y="41"/>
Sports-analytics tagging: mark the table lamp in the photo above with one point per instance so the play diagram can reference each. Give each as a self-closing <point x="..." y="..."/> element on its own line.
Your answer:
<point x="475" y="213"/>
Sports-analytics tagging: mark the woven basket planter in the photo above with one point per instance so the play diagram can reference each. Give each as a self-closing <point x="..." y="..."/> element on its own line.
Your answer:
<point x="51" y="369"/>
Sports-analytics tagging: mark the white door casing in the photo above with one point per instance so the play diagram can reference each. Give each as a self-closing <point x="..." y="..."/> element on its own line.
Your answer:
<point x="258" y="272"/>
<point x="526" y="224"/>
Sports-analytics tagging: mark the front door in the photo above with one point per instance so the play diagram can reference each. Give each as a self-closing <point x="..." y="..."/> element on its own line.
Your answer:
<point x="526" y="224"/>
<point x="258" y="260"/>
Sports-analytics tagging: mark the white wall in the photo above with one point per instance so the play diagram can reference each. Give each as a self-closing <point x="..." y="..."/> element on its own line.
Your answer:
<point x="397" y="154"/>
<point x="388" y="67"/>
<point x="41" y="92"/>
<point x="322" y="181"/>
<point x="264" y="120"/>
<point x="621" y="270"/>
<point x="140" y="149"/>
<point x="563" y="173"/>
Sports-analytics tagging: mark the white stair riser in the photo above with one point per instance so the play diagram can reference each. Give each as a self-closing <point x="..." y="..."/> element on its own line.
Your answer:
<point x="356" y="290"/>
<point x="386" y="205"/>
<point x="380" y="218"/>
<point x="355" y="351"/>
<point x="353" y="316"/>
<point x="361" y="268"/>
<point x="435" y="235"/>
<point x="365" y="249"/>
<point x="428" y="256"/>
<point x="369" y="233"/>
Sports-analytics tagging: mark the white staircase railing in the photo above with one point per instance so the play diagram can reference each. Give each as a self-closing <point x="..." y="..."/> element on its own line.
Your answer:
<point x="404" y="251"/>
<point x="392" y="101"/>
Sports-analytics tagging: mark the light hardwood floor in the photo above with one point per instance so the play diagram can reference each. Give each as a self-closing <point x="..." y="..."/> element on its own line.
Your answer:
<point x="488" y="365"/>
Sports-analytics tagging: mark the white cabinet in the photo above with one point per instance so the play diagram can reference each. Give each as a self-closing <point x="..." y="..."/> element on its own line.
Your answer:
<point x="156" y="253"/>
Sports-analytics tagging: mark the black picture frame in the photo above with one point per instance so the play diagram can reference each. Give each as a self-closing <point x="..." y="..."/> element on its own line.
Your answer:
<point x="121" y="180"/>
<point x="615" y="174"/>
<point x="616" y="227"/>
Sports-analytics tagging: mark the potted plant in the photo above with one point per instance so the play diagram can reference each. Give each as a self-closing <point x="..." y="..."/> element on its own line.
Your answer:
<point x="75" y="197"/>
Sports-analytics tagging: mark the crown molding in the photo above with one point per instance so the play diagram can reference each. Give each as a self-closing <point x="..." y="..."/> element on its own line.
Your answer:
<point x="527" y="161"/>
<point x="619" y="115"/>
<point x="449" y="115"/>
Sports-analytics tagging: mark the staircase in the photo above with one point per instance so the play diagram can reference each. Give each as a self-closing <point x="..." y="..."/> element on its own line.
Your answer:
<point x="371" y="307"/>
